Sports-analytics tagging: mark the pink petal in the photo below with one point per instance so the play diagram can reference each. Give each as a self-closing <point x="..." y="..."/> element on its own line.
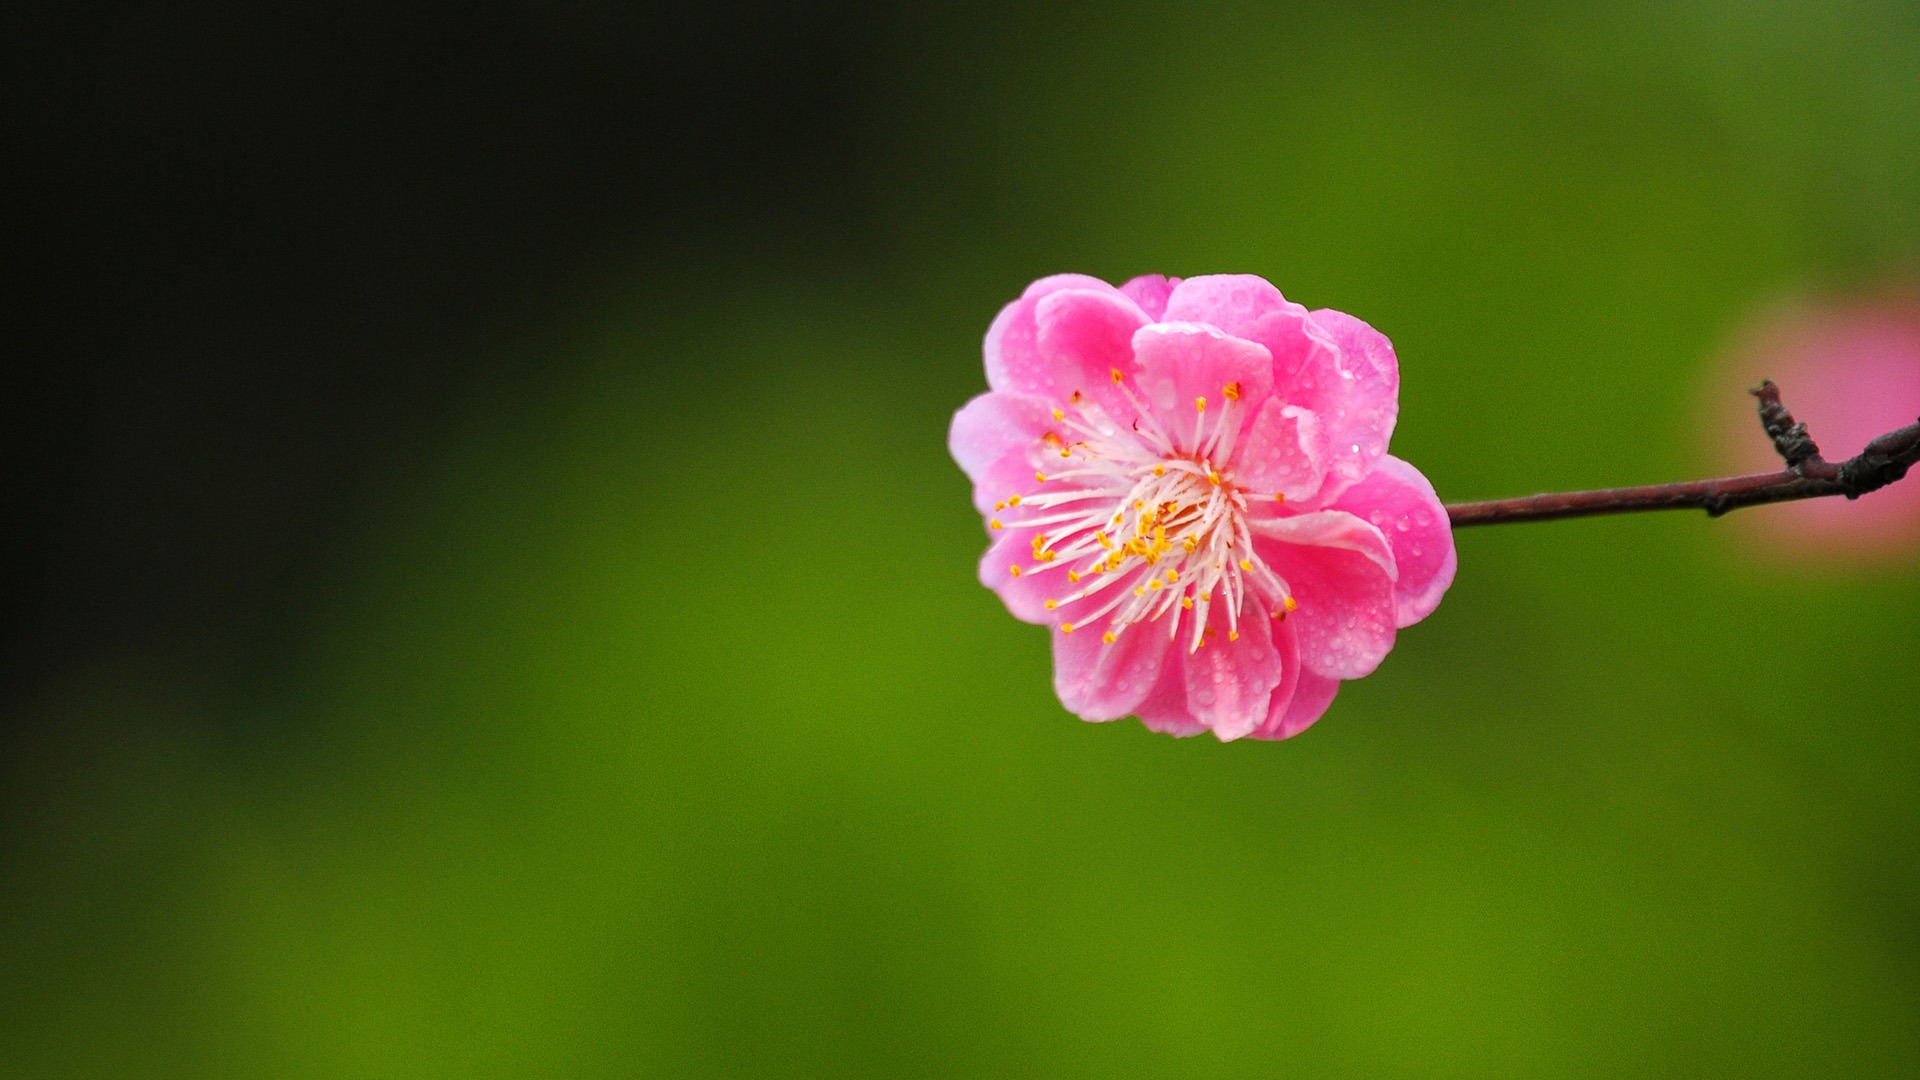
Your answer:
<point x="1284" y="451"/>
<point x="1165" y="708"/>
<point x="1086" y="336"/>
<point x="1234" y="303"/>
<point x="992" y="425"/>
<point x="1341" y="570"/>
<point x="1150" y="291"/>
<point x="1012" y="348"/>
<point x="1345" y="372"/>
<point x="1098" y="681"/>
<point x="1400" y="502"/>
<point x="1011" y="475"/>
<point x="1182" y="362"/>
<point x="1230" y="683"/>
<point x="1308" y="703"/>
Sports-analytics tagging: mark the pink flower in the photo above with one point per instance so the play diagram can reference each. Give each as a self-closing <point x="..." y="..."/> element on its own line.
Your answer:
<point x="1188" y="480"/>
<point x="1850" y="370"/>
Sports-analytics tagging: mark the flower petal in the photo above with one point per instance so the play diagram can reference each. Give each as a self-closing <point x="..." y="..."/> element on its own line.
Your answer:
<point x="1165" y="708"/>
<point x="1284" y="451"/>
<point x="1345" y="372"/>
<point x="993" y="425"/>
<point x="1085" y="335"/>
<point x="1150" y="291"/>
<point x="1230" y="683"/>
<point x="1342" y="572"/>
<point x="1235" y="303"/>
<point x="1400" y="502"/>
<point x="1101" y="681"/>
<point x="1308" y="703"/>
<point x="1182" y="363"/>
<point x="1012" y="349"/>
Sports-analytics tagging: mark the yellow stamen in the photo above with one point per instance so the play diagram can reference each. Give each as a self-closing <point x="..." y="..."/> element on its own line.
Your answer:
<point x="1013" y="500"/>
<point x="1058" y="415"/>
<point x="1073" y="576"/>
<point x="1233" y="635"/>
<point x="1246" y="565"/>
<point x="1199" y="404"/>
<point x="1109" y="637"/>
<point x="1232" y="390"/>
<point x="1213" y="478"/>
<point x="1140" y="592"/>
<point x="1000" y="505"/>
<point x="1039" y="478"/>
<point x="1117" y="377"/>
<point x="1173" y="576"/>
<point x="1154" y="584"/>
<point x="1014" y="569"/>
<point x="1206" y="597"/>
<point x="1160" y="538"/>
<point x="995" y="524"/>
<point x="1104" y="542"/>
<point x="1187" y="602"/>
<point x="1051" y="604"/>
<point x="1066" y="628"/>
<point x="1279" y="497"/>
<point x="1190" y="543"/>
<point x="1073" y="398"/>
<point x="1292" y="604"/>
<point x="1159" y="470"/>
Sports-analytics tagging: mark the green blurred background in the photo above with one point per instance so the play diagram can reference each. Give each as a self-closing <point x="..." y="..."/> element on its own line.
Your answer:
<point x="492" y="598"/>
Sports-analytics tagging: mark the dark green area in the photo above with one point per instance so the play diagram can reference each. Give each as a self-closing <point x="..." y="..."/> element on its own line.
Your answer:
<point x="656" y="726"/>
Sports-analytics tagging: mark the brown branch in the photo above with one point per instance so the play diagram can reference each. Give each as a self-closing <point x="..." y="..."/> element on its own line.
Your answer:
<point x="1807" y="476"/>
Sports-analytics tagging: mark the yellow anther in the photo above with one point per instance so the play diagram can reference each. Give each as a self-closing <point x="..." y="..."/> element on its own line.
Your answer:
<point x="1058" y="415"/>
<point x="1039" y="478"/>
<point x="1104" y="542"/>
<point x="1138" y="505"/>
<point x="1159" y="470"/>
<point x="1013" y="500"/>
<point x="1066" y="628"/>
<point x="1233" y="635"/>
<point x="1213" y="478"/>
<point x="1206" y="597"/>
<point x="1051" y="439"/>
<point x="1246" y="565"/>
<point x="1173" y="576"/>
<point x="995" y="524"/>
<point x="1160" y="538"/>
<point x="1048" y="556"/>
<point x="1014" y="569"/>
<point x="1051" y="604"/>
<point x="1151" y="557"/>
<point x="1117" y="377"/>
<point x="1000" y="505"/>
<point x="1187" y="602"/>
<point x="1109" y="637"/>
<point x="1140" y="591"/>
<point x="1190" y="543"/>
<point x="1073" y="576"/>
<point x="1199" y="404"/>
<point x="1073" y="398"/>
<point x="1154" y="584"/>
<point x="1292" y="604"/>
<point x="1232" y="390"/>
<point x="1066" y="451"/>
<point x="1279" y="496"/>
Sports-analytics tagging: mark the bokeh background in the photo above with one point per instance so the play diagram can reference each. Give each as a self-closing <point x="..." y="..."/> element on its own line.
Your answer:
<point x="487" y="594"/>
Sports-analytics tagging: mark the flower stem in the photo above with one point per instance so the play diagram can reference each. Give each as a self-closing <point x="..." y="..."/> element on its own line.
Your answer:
<point x="1807" y="476"/>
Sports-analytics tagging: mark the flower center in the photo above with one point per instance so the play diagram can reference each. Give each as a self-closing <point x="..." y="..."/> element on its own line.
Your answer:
<point x="1142" y="523"/>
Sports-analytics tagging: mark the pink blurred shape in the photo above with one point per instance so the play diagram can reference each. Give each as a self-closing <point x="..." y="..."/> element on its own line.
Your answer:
<point x="1850" y="370"/>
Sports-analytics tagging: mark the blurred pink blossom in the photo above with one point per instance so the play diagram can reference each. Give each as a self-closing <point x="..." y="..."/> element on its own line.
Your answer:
<point x="1850" y="370"/>
<point x="1188" y="481"/>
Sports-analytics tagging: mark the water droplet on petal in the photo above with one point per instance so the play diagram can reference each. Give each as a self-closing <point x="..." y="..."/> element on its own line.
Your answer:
<point x="1403" y="524"/>
<point x="1422" y="518"/>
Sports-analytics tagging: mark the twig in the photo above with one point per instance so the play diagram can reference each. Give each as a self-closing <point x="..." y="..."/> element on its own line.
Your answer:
<point x="1807" y="476"/>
